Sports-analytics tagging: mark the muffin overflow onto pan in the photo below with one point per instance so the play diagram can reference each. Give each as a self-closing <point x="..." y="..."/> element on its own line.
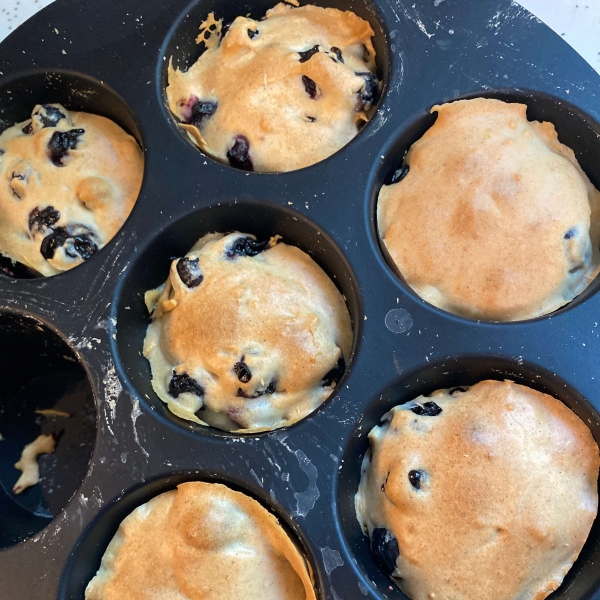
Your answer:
<point x="121" y="446"/>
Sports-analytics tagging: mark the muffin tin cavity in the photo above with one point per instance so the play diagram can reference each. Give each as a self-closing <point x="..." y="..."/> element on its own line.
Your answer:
<point x="38" y="372"/>
<point x="89" y="549"/>
<point x="180" y="46"/>
<point x="151" y="268"/>
<point x="581" y="581"/>
<point x="19" y="94"/>
<point x="576" y="129"/>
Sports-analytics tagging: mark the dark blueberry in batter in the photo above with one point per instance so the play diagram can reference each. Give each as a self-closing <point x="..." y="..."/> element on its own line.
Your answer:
<point x="458" y="388"/>
<point x="181" y="383"/>
<point x="369" y="93"/>
<point x="571" y="233"/>
<point x="61" y="142"/>
<point x="334" y="376"/>
<point x="84" y="246"/>
<point x="189" y="272"/>
<point x="252" y="33"/>
<point x="415" y="478"/>
<point x="49" y="115"/>
<point x="242" y="370"/>
<point x="246" y="246"/>
<point x="40" y="219"/>
<point x="238" y="154"/>
<point x="310" y="86"/>
<point x="200" y="110"/>
<point x="53" y="241"/>
<point x="400" y="174"/>
<point x="384" y="547"/>
<point x="338" y="53"/>
<point x="307" y="54"/>
<point x="429" y="409"/>
<point x="28" y="129"/>
<point x="271" y="389"/>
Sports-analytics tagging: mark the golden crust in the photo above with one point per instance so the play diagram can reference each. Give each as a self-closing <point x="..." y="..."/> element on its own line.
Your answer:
<point x="202" y="541"/>
<point x="480" y="226"/>
<point x="257" y="86"/>
<point x="276" y="312"/>
<point x="94" y="190"/>
<point x="507" y="499"/>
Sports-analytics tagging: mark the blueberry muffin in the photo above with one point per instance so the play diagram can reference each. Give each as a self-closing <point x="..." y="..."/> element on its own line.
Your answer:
<point x="68" y="181"/>
<point x="281" y="93"/>
<point x="481" y="493"/>
<point x="246" y="335"/>
<point x="491" y="217"/>
<point x="202" y="540"/>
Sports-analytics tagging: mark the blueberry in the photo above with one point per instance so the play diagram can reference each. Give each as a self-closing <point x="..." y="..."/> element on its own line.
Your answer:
<point x="338" y="53"/>
<point x="369" y="93"/>
<point x="246" y="246"/>
<point x="28" y="129"/>
<point x="252" y="33"/>
<point x="429" y="409"/>
<point x="307" y="54"/>
<point x="458" y="388"/>
<point x="84" y="246"/>
<point x="400" y="174"/>
<point x="200" y="110"/>
<point x="61" y="142"/>
<point x="270" y="389"/>
<point x="310" y="86"/>
<point x="571" y="233"/>
<point x="242" y="370"/>
<point x="182" y="383"/>
<point x="49" y="115"/>
<point x="51" y="242"/>
<point x="238" y="154"/>
<point x="415" y="478"/>
<point x="334" y="376"/>
<point x="384" y="547"/>
<point x="40" y="219"/>
<point x="189" y="271"/>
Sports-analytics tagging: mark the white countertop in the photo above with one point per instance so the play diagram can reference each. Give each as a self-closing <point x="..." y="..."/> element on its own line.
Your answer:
<point x="578" y="21"/>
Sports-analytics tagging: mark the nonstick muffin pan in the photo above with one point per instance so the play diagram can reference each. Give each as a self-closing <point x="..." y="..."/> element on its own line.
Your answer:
<point x="74" y="340"/>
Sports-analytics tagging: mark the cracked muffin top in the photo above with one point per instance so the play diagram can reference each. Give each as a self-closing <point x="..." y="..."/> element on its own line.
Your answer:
<point x="491" y="217"/>
<point x="201" y="541"/>
<point x="68" y="181"/>
<point x="481" y="493"/>
<point x="281" y="93"/>
<point x="246" y="335"/>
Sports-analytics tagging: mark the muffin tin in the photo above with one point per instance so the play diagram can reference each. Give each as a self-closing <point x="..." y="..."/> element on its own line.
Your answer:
<point x="88" y="324"/>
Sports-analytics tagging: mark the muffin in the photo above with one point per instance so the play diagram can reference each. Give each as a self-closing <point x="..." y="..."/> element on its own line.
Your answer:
<point x="481" y="493"/>
<point x="70" y="182"/>
<point x="202" y="540"/>
<point x="246" y="335"/>
<point x="491" y="217"/>
<point x="281" y="93"/>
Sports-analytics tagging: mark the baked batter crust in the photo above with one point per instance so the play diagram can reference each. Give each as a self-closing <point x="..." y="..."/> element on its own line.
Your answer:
<point x="246" y="335"/>
<point x="495" y="218"/>
<point x="281" y="93"/>
<point x="486" y="494"/>
<point x="202" y="541"/>
<point x="68" y="181"/>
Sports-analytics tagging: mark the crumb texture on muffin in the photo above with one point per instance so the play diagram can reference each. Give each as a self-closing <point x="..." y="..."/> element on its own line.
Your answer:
<point x="481" y="493"/>
<point x="246" y="335"/>
<point x="281" y="93"/>
<point x="68" y="181"/>
<point x="202" y="541"/>
<point x="492" y="217"/>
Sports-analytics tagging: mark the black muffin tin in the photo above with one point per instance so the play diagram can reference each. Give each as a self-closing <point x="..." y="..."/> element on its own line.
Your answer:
<point x="75" y="340"/>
